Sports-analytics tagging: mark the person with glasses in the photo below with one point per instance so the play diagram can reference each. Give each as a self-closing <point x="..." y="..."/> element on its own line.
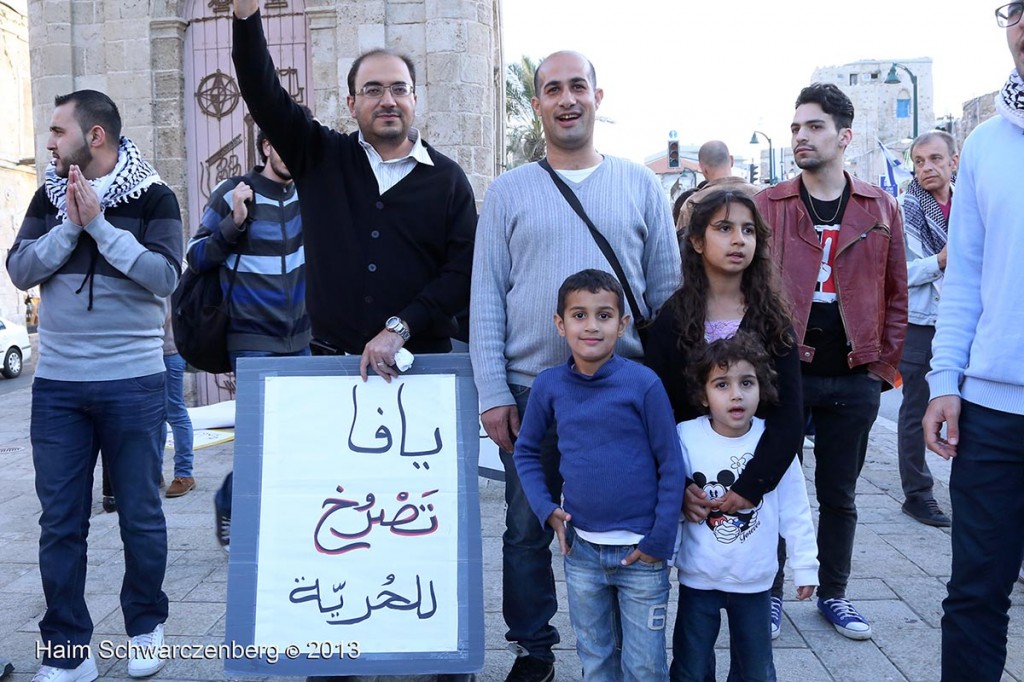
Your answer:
<point x="388" y="221"/>
<point x="977" y="381"/>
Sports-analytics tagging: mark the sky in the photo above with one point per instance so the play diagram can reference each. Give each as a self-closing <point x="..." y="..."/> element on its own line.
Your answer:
<point x="719" y="70"/>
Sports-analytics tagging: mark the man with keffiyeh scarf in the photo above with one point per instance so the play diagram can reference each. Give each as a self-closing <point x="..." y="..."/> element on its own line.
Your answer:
<point x="926" y="207"/>
<point x="103" y="240"/>
<point x="977" y="381"/>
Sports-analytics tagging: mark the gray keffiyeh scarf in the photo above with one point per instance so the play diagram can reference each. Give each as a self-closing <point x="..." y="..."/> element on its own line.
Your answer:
<point x="129" y="179"/>
<point x="1010" y="100"/>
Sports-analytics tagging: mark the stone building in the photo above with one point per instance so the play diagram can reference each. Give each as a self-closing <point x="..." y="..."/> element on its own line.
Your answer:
<point x="17" y="173"/>
<point x="882" y="111"/>
<point x="167" y="65"/>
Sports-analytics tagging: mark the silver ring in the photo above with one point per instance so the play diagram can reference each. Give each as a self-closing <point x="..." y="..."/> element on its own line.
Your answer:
<point x="380" y="364"/>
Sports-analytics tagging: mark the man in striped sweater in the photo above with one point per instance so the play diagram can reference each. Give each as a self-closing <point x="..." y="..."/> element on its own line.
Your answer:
<point x="528" y="241"/>
<point x="252" y="230"/>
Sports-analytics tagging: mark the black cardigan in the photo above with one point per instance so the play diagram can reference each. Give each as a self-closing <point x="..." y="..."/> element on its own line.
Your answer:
<point x="784" y="422"/>
<point x="408" y="252"/>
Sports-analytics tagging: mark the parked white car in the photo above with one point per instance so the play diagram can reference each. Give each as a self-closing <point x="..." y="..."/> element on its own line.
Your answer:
<point x="15" y="348"/>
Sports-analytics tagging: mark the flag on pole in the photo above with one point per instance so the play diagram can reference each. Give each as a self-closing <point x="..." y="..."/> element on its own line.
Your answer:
<point x="898" y="175"/>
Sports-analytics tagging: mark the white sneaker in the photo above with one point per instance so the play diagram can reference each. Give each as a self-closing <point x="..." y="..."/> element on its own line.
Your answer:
<point x="85" y="672"/>
<point x="144" y="653"/>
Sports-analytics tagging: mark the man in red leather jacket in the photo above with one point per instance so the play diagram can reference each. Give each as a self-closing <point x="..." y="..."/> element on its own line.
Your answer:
<point x="838" y="242"/>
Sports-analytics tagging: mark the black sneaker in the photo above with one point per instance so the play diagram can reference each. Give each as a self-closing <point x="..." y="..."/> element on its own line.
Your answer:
<point x="223" y="529"/>
<point x="531" y="669"/>
<point x="109" y="505"/>
<point x="926" y="512"/>
<point x="6" y="667"/>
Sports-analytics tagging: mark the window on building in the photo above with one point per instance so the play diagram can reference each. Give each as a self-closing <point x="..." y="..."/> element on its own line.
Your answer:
<point x="853" y="78"/>
<point x="875" y="75"/>
<point x="903" y="108"/>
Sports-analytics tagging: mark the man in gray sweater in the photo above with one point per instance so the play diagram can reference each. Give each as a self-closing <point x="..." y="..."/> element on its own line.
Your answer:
<point x="528" y="241"/>
<point x="102" y="239"/>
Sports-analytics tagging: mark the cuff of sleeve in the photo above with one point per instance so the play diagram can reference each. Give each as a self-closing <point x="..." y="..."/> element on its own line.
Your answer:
<point x="655" y="548"/>
<point x="805" y="576"/>
<point x="416" y="317"/>
<point x="944" y="382"/>
<point x="497" y="395"/>
<point x="231" y="232"/>
<point x="749" y="491"/>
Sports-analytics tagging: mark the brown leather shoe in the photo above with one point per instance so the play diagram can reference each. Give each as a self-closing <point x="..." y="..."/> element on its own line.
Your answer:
<point x="181" y="485"/>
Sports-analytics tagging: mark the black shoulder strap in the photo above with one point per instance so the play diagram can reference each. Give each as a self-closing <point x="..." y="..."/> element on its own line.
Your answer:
<point x="602" y="243"/>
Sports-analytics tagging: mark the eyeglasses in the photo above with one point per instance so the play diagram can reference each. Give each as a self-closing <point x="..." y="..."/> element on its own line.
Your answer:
<point x="1009" y="15"/>
<point x="376" y="90"/>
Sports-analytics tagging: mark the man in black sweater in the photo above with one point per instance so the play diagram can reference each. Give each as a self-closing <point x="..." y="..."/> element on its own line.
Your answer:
<point x="388" y="221"/>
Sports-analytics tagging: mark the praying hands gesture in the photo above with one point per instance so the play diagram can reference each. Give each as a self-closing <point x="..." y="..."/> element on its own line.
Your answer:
<point x="82" y="203"/>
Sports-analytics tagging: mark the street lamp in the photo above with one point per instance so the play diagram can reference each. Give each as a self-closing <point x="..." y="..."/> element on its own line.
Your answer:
<point x="893" y="79"/>
<point x="771" y="155"/>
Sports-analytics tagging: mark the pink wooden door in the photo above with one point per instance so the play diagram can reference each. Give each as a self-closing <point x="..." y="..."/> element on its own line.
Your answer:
<point x="219" y="132"/>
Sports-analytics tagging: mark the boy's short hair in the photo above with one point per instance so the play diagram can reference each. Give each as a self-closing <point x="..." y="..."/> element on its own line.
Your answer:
<point x="594" y="281"/>
<point x="725" y="352"/>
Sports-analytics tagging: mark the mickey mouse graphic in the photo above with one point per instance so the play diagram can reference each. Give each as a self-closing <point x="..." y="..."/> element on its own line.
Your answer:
<point x="726" y="527"/>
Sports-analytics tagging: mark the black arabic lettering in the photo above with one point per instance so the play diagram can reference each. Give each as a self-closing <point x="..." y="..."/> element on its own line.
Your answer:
<point x="382" y="433"/>
<point x="334" y="504"/>
<point x="411" y="453"/>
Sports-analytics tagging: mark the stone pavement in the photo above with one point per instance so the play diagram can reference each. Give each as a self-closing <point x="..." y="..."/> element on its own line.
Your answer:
<point x="899" y="573"/>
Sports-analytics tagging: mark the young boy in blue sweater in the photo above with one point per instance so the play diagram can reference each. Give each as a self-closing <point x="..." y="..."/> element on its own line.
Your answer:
<point x="622" y="467"/>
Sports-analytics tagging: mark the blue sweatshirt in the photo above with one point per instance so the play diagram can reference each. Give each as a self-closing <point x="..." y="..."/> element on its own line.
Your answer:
<point x="979" y="333"/>
<point x="620" y="456"/>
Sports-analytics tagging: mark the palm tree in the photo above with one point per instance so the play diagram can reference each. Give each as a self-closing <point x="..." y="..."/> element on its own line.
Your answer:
<point x="525" y="142"/>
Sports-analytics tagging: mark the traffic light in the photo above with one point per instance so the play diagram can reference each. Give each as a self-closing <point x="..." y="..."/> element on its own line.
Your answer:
<point x="753" y="173"/>
<point x="673" y="153"/>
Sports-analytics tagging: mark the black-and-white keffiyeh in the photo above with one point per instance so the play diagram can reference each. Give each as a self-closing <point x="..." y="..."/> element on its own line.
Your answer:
<point x="129" y="179"/>
<point x="931" y="231"/>
<point x="1010" y="100"/>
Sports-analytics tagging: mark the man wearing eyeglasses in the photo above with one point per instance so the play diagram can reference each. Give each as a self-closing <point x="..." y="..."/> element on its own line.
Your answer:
<point x="388" y="221"/>
<point x="977" y="381"/>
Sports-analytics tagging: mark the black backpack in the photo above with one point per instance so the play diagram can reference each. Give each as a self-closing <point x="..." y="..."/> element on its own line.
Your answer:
<point x="199" y="317"/>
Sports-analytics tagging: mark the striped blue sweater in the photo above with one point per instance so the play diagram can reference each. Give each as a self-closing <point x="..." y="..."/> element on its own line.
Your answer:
<point x="267" y="303"/>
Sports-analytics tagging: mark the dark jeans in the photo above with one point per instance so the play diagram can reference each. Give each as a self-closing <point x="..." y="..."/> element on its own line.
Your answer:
<point x="528" y="582"/>
<point x="698" y="620"/>
<point x="986" y="487"/>
<point x="71" y="421"/>
<point x="917" y="355"/>
<point x="843" y="409"/>
<point x="222" y="498"/>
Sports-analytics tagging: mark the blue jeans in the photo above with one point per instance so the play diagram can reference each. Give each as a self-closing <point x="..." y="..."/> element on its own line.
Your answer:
<point x="177" y="415"/>
<point x="986" y="487"/>
<point x="71" y="422"/>
<point x="528" y="583"/>
<point x="618" y="612"/>
<point x="698" y="621"/>
<point x="222" y="498"/>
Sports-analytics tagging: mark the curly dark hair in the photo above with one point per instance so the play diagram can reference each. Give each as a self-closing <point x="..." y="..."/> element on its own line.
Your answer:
<point x="767" y="313"/>
<point x="725" y="352"/>
<point x="832" y="101"/>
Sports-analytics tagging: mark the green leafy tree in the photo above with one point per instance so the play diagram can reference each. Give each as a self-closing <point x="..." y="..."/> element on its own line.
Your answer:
<point x="525" y="134"/>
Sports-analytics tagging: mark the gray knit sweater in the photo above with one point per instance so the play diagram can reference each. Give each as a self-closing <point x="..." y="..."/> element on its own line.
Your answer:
<point x="529" y="240"/>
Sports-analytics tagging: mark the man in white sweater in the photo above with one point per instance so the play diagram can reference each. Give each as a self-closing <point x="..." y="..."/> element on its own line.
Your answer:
<point x="977" y="381"/>
<point x="528" y="241"/>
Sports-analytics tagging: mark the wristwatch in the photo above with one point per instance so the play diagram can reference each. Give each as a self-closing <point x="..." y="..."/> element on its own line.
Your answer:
<point x="396" y="325"/>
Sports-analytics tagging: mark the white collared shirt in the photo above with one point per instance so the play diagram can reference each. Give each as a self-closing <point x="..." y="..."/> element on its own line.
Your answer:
<point x="389" y="173"/>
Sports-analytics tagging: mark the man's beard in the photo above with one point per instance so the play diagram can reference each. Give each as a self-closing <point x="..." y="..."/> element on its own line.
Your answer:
<point x="80" y="157"/>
